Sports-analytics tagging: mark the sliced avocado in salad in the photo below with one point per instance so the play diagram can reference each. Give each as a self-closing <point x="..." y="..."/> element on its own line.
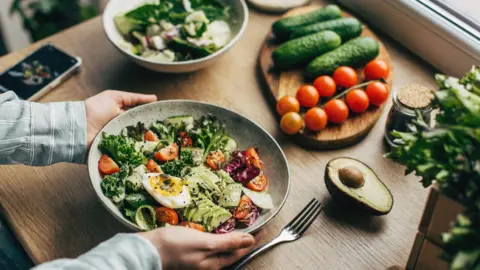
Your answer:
<point x="230" y="195"/>
<point x="351" y="182"/>
<point x="173" y="30"/>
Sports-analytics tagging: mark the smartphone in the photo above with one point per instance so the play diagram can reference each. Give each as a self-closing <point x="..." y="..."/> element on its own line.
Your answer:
<point x="39" y="72"/>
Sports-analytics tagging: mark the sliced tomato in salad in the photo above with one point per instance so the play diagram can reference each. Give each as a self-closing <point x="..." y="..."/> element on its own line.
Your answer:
<point x="168" y="153"/>
<point x="153" y="167"/>
<point x="215" y="160"/>
<point x="192" y="225"/>
<point x="107" y="166"/>
<point x="185" y="139"/>
<point x="259" y="183"/>
<point x="244" y="207"/>
<point x="253" y="160"/>
<point x="166" y="215"/>
<point x="150" y="136"/>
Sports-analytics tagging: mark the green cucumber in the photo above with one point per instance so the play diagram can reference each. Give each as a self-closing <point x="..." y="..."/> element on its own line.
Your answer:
<point x="346" y="28"/>
<point x="285" y="26"/>
<point x="187" y="120"/>
<point x="302" y="50"/>
<point x="145" y="217"/>
<point x="355" y="53"/>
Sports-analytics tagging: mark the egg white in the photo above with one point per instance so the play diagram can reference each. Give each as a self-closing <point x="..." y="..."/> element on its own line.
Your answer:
<point x="179" y="201"/>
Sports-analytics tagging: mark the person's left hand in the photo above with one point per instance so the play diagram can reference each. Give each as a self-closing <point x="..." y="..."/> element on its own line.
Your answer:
<point x="103" y="107"/>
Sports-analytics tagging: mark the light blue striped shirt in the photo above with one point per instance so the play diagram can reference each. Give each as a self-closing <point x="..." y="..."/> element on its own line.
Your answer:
<point x="43" y="134"/>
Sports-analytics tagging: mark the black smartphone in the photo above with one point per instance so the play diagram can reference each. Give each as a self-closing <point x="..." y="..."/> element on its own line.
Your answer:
<point x="39" y="72"/>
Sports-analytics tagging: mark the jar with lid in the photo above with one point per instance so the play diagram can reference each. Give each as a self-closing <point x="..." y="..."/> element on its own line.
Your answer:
<point x="406" y="102"/>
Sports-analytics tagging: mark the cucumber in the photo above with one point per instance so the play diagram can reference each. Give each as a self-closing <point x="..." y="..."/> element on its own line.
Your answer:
<point x="230" y="144"/>
<point x="354" y="53"/>
<point x="302" y="50"/>
<point x="346" y="28"/>
<point x="284" y="27"/>
<point x="179" y="120"/>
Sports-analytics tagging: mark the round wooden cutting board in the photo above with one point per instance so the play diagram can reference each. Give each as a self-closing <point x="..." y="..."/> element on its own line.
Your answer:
<point x="287" y="83"/>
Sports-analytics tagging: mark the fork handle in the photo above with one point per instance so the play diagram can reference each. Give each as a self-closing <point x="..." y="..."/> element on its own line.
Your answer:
<point x="238" y="265"/>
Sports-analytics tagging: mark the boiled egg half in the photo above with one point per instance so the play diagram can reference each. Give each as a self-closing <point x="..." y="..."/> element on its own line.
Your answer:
<point x="167" y="190"/>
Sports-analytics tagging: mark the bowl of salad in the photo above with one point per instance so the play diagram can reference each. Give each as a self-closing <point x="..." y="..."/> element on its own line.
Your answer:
<point x="187" y="163"/>
<point x="175" y="36"/>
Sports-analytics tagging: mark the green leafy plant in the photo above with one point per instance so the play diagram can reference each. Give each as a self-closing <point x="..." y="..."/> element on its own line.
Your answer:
<point x="449" y="154"/>
<point x="42" y="18"/>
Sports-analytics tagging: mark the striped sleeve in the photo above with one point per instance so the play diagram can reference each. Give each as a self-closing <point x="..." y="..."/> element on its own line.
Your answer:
<point x="41" y="134"/>
<point x="122" y="252"/>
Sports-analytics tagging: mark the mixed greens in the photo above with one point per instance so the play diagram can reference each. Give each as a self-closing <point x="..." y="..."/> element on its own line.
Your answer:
<point x="182" y="171"/>
<point x="176" y="30"/>
<point x="449" y="154"/>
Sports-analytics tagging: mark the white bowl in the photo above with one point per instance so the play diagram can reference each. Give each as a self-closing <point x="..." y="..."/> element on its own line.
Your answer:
<point x="115" y="7"/>
<point x="244" y="131"/>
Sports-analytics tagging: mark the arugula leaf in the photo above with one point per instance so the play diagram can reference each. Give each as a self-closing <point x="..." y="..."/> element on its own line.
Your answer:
<point x="121" y="150"/>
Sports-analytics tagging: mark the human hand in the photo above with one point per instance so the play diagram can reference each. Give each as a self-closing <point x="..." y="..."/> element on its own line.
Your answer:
<point x="103" y="107"/>
<point x="185" y="248"/>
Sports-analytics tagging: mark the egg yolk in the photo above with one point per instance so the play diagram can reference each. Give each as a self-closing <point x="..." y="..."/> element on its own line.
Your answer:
<point x="165" y="185"/>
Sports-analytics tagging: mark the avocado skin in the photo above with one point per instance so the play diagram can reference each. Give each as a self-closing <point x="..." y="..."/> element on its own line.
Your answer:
<point x="301" y="50"/>
<point x="285" y="26"/>
<point x="355" y="53"/>
<point x="339" y="196"/>
<point x="346" y="28"/>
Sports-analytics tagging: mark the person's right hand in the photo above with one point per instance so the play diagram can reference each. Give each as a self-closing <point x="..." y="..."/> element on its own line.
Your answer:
<point x="185" y="248"/>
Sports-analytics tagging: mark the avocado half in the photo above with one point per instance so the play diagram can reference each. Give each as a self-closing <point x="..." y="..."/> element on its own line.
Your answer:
<point x="351" y="182"/>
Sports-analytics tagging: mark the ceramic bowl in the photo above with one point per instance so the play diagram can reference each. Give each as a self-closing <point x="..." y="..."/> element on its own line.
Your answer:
<point x="115" y="7"/>
<point x="244" y="131"/>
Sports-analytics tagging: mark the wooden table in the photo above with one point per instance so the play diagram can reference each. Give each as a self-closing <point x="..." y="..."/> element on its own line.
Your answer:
<point x="55" y="212"/>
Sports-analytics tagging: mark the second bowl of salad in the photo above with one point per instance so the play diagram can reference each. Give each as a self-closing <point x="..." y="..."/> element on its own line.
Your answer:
<point x="186" y="163"/>
<point x="175" y="35"/>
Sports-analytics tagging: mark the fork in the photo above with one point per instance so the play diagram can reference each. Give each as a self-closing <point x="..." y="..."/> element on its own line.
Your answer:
<point x="291" y="232"/>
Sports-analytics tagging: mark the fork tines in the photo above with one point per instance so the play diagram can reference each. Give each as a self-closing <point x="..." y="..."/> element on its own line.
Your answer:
<point x="305" y="218"/>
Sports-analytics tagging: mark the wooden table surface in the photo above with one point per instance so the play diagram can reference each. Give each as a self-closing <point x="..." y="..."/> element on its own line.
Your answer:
<point x="55" y="212"/>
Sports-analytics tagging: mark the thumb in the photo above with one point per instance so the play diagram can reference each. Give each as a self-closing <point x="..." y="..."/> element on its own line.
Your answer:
<point x="221" y="243"/>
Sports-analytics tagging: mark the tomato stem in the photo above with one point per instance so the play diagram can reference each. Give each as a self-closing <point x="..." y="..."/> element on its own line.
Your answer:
<point x="350" y="89"/>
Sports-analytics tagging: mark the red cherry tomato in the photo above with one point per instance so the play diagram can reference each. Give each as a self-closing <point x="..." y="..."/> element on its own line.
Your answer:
<point x="288" y="104"/>
<point x="337" y="111"/>
<point x="185" y="139"/>
<point x="107" y="166"/>
<point x="345" y="77"/>
<point x="192" y="225"/>
<point x="168" y="153"/>
<point x="153" y="167"/>
<point x="253" y="160"/>
<point x="316" y="119"/>
<point x="377" y="93"/>
<point x="166" y="215"/>
<point x="259" y="183"/>
<point x="376" y="69"/>
<point x="215" y="160"/>
<point x="308" y="96"/>
<point x="150" y="136"/>
<point x="325" y="85"/>
<point x="357" y="100"/>
<point x="244" y="207"/>
<point x="291" y="123"/>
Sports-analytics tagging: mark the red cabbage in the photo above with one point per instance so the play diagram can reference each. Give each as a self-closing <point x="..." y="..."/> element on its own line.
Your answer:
<point x="238" y="169"/>
<point x="226" y="227"/>
<point x="251" y="217"/>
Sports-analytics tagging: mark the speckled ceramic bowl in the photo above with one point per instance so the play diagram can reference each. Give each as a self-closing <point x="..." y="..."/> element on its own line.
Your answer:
<point x="238" y="24"/>
<point x="244" y="131"/>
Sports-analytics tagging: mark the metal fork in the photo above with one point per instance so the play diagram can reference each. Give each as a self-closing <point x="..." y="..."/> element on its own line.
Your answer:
<point x="291" y="232"/>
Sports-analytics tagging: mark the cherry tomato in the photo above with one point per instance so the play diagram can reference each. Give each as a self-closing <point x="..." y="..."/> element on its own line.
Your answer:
<point x="259" y="183"/>
<point x="345" y="77"/>
<point x="337" y="111"/>
<point x="316" y="119"/>
<point x="253" y="160"/>
<point x="153" y="167"/>
<point x="150" y="136"/>
<point x="166" y="215"/>
<point x="376" y="69"/>
<point x="167" y="153"/>
<point x="192" y="225"/>
<point x="308" y="96"/>
<point x="244" y="207"/>
<point x="357" y="100"/>
<point x="185" y="139"/>
<point x="291" y="123"/>
<point x="288" y="104"/>
<point x="377" y="93"/>
<point x="325" y="85"/>
<point x="107" y="166"/>
<point x="215" y="159"/>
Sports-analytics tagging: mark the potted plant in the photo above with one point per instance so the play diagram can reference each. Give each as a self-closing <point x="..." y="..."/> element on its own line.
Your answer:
<point x="448" y="155"/>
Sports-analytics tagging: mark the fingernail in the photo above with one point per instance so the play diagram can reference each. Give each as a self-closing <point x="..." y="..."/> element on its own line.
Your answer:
<point x="247" y="240"/>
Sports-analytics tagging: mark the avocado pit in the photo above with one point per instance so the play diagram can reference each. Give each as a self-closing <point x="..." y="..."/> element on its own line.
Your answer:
<point x="351" y="176"/>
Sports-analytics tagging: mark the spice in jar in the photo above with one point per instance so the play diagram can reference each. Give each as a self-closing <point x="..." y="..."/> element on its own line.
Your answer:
<point x="406" y="101"/>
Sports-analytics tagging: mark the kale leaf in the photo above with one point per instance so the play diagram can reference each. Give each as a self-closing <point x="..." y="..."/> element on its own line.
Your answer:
<point x="121" y="150"/>
<point x="136" y="132"/>
<point x="113" y="186"/>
